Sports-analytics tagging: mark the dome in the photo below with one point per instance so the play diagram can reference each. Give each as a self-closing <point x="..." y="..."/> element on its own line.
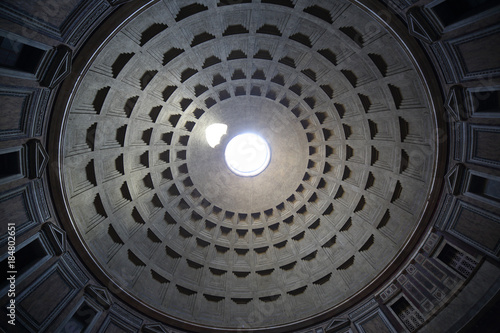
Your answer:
<point x="345" y="111"/>
<point x="311" y="166"/>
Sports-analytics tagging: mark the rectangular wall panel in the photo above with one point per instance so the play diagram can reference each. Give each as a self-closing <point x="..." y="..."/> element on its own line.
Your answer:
<point x="482" y="147"/>
<point x="375" y="322"/>
<point x="40" y="303"/>
<point x="477" y="227"/>
<point x="473" y="53"/>
<point x="23" y="111"/>
<point x="16" y="206"/>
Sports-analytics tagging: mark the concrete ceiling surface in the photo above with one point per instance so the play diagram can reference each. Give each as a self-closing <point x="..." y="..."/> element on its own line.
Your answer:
<point x="350" y="125"/>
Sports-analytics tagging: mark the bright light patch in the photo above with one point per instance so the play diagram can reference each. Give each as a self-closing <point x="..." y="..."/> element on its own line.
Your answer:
<point x="247" y="154"/>
<point x="214" y="134"/>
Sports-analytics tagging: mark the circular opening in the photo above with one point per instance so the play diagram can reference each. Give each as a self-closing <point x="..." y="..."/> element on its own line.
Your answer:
<point x="247" y="154"/>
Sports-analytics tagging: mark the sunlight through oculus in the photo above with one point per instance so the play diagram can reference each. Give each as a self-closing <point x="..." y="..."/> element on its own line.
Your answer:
<point x="247" y="154"/>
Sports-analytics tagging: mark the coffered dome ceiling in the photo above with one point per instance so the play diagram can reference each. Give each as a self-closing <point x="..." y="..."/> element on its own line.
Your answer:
<point x="351" y="128"/>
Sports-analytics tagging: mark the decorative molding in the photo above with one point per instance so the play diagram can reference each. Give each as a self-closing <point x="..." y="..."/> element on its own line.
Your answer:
<point x="38" y="191"/>
<point x="431" y="243"/>
<point x="40" y="112"/>
<point x="401" y="4"/>
<point x="37" y="159"/>
<point x="454" y="178"/>
<point x="389" y="292"/>
<point x="338" y="323"/>
<point x="459" y="141"/>
<point x="445" y="63"/>
<point x="58" y="67"/>
<point x="154" y="328"/>
<point x="83" y="27"/>
<point x="56" y="236"/>
<point x="455" y="103"/>
<point x="444" y="211"/>
<point x="75" y="269"/>
<point x="100" y="294"/>
<point x="363" y="309"/>
<point x="419" y="27"/>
